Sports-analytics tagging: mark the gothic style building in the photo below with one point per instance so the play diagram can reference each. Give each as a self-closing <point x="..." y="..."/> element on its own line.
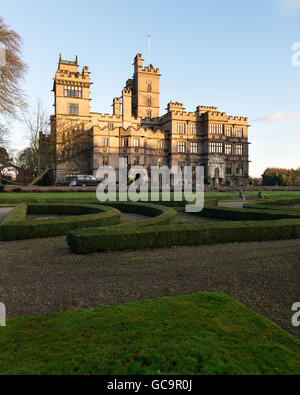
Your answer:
<point x="136" y="130"/>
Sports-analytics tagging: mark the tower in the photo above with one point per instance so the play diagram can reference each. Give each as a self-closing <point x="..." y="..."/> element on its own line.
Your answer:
<point x="71" y="89"/>
<point x="72" y="116"/>
<point x="145" y="89"/>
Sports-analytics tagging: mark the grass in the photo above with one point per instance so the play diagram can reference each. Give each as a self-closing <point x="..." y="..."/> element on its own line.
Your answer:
<point x="201" y="333"/>
<point x="91" y="195"/>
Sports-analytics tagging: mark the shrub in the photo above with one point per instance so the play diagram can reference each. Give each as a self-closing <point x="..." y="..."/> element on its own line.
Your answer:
<point x="1" y="188"/>
<point x="258" y="225"/>
<point x="279" y="202"/>
<point x="116" y="239"/>
<point x="92" y="215"/>
<point x="248" y="214"/>
<point x="159" y="214"/>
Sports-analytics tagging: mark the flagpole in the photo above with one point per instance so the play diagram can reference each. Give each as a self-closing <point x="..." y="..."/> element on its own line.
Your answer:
<point x="149" y="49"/>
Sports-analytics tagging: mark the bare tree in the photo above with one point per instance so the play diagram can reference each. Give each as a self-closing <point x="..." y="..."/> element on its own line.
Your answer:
<point x="4" y="133"/>
<point x="36" y="121"/>
<point x="67" y="144"/>
<point x="12" y="70"/>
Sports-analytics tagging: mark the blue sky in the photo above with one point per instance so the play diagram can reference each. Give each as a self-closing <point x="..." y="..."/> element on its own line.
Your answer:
<point x="233" y="54"/>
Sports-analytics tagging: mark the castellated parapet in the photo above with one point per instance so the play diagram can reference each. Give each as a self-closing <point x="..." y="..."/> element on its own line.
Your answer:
<point x="175" y="106"/>
<point x="203" y="109"/>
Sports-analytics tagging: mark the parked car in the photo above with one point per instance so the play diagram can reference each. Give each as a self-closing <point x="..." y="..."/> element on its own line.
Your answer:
<point x="82" y="181"/>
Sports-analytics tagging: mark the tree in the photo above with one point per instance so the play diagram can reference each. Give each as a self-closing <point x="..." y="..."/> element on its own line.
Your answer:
<point x="281" y="177"/>
<point x="68" y="143"/>
<point x="255" y="181"/>
<point x="3" y="135"/>
<point x="12" y="70"/>
<point x="27" y="161"/>
<point x="36" y="121"/>
<point x="51" y="144"/>
<point x="4" y="157"/>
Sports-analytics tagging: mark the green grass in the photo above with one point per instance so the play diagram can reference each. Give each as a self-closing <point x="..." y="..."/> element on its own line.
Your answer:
<point x="47" y="195"/>
<point x="91" y="195"/>
<point x="194" y="334"/>
<point x="86" y="195"/>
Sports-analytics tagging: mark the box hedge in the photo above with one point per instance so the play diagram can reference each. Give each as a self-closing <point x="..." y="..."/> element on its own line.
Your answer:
<point x="82" y="216"/>
<point x="256" y="226"/>
<point x="249" y="214"/>
<point x="158" y="214"/>
<point x="274" y="203"/>
<point x="117" y="239"/>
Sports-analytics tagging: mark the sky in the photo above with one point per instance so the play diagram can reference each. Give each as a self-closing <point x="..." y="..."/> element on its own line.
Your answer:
<point x="242" y="57"/>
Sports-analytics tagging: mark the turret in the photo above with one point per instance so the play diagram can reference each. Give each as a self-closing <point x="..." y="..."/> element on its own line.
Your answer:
<point x="145" y="89"/>
<point x="117" y="106"/>
<point x="127" y="104"/>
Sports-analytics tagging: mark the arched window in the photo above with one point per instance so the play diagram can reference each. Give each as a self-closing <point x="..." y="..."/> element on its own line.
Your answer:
<point x="149" y="87"/>
<point x="149" y="102"/>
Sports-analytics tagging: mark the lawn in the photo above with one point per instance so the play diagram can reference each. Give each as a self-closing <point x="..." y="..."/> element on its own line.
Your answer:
<point x="202" y="333"/>
<point x="92" y="195"/>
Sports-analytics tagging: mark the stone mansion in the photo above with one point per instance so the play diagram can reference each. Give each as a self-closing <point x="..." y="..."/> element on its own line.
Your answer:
<point x="136" y="130"/>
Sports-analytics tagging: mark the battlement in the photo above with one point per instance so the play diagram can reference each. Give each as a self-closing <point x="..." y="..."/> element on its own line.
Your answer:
<point x="127" y="91"/>
<point x="69" y="69"/>
<point x="201" y="109"/>
<point x="217" y="114"/>
<point x="107" y="117"/>
<point x="140" y="128"/>
<point x="241" y="119"/>
<point x="104" y="129"/>
<point x="68" y="65"/>
<point x="221" y="116"/>
<point x="152" y="120"/>
<point x="150" y="69"/>
<point x="174" y="106"/>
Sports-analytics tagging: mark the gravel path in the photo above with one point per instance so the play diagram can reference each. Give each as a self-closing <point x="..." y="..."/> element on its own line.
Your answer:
<point x="41" y="276"/>
<point x="184" y="218"/>
<point x="127" y="217"/>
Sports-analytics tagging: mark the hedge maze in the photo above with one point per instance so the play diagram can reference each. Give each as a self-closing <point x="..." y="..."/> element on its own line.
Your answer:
<point x="90" y="226"/>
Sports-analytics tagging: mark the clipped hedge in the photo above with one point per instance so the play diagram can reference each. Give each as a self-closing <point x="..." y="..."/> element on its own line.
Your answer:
<point x="83" y="216"/>
<point x="116" y="239"/>
<point x="258" y="225"/>
<point x="274" y="203"/>
<point x="249" y="214"/>
<point x="159" y="214"/>
<point x="16" y="214"/>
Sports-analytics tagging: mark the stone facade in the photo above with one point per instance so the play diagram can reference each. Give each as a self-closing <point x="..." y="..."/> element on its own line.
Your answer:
<point x="136" y="130"/>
